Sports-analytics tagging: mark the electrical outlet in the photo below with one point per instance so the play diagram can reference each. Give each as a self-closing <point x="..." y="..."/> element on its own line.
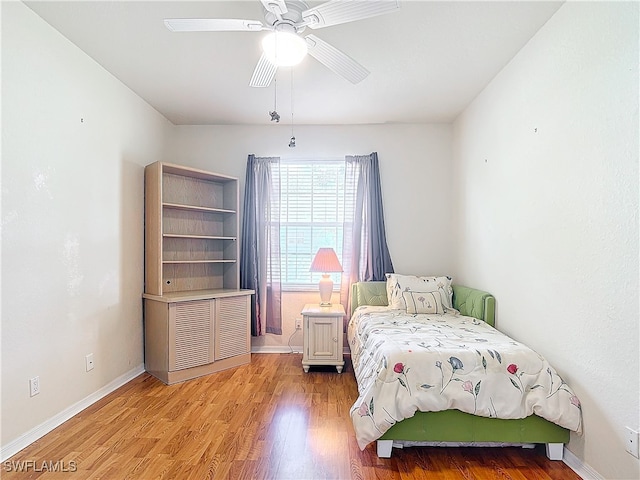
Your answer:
<point x="34" y="386"/>
<point x="89" y="361"/>
<point x="298" y="323"/>
<point x="631" y="445"/>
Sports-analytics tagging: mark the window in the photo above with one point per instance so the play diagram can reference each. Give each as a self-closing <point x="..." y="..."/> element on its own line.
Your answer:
<point x="311" y="216"/>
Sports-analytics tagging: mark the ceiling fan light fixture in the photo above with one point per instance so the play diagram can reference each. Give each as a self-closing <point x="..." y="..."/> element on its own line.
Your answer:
<point x="284" y="49"/>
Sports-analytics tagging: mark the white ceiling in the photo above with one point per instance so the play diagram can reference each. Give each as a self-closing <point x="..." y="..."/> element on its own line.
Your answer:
<point x="427" y="60"/>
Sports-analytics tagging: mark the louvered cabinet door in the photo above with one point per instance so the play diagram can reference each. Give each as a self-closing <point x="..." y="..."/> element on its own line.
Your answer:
<point x="232" y="331"/>
<point x="189" y="338"/>
<point x="190" y="334"/>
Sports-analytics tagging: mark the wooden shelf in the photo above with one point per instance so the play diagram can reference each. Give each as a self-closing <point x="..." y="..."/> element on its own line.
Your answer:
<point x="194" y="208"/>
<point x="199" y="261"/>
<point x="202" y="237"/>
<point x="190" y="295"/>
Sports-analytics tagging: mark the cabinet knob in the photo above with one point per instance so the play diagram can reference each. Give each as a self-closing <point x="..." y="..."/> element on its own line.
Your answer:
<point x="335" y="339"/>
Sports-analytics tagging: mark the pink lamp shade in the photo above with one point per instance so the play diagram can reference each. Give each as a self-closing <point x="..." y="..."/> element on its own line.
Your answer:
<point x="325" y="262"/>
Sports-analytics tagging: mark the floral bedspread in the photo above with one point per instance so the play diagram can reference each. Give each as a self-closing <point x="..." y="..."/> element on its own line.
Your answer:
<point x="404" y="363"/>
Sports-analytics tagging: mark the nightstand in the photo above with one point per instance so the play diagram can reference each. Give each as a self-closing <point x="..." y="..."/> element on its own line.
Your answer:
<point x="322" y="330"/>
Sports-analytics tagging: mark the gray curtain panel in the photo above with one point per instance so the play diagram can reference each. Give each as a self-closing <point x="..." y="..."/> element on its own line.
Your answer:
<point x="365" y="254"/>
<point x="260" y="245"/>
<point x="377" y="260"/>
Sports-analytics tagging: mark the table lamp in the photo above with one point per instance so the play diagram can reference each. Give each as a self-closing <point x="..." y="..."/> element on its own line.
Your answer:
<point x="325" y="262"/>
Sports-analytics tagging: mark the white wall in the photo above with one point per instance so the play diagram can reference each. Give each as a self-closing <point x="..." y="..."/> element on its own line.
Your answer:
<point x="415" y="169"/>
<point x="543" y="191"/>
<point x="547" y="214"/>
<point x="74" y="143"/>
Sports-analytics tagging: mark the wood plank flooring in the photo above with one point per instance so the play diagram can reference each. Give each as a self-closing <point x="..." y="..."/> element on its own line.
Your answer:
<point x="266" y="420"/>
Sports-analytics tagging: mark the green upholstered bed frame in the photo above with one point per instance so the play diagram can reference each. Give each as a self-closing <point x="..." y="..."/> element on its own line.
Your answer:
<point x="454" y="425"/>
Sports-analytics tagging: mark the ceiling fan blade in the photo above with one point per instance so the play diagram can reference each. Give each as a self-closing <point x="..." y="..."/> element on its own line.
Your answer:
<point x="337" y="61"/>
<point x="263" y="73"/>
<point x="213" y="25"/>
<point x="277" y="7"/>
<point x="336" y="12"/>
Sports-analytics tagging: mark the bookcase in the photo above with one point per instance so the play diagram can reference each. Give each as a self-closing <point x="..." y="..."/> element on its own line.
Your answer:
<point x="196" y="316"/>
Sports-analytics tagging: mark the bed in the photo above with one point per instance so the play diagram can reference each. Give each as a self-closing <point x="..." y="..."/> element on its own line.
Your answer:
<point x="456" y="421"/>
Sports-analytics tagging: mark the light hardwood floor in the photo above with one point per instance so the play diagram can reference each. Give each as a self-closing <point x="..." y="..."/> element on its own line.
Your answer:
<point x="266" y="420"/>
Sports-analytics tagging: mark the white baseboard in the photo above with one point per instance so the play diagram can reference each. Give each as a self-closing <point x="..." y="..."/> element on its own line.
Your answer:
<point x="578" y="466"/>
<point x="41" y="430"/>
<point x="285" y="349"/>
<point x="276" y="349"/>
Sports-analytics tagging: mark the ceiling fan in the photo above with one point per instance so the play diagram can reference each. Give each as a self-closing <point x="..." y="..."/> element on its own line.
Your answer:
<point x="287" y="19"/>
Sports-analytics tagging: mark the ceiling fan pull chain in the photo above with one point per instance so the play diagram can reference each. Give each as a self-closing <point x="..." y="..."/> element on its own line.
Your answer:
<point x="275" y="116"/>
<point x="292" y="142"/>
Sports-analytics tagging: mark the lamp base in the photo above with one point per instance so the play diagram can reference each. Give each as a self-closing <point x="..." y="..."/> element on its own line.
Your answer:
<point x="326" y="289"/>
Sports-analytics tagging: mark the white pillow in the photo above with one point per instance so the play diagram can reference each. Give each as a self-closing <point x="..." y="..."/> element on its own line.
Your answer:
<point x="423" y="302"/>
<point x="397" y="284"/>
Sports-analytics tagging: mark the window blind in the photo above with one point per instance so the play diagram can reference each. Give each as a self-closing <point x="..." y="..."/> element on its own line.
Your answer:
<point x="311" y="215"/>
